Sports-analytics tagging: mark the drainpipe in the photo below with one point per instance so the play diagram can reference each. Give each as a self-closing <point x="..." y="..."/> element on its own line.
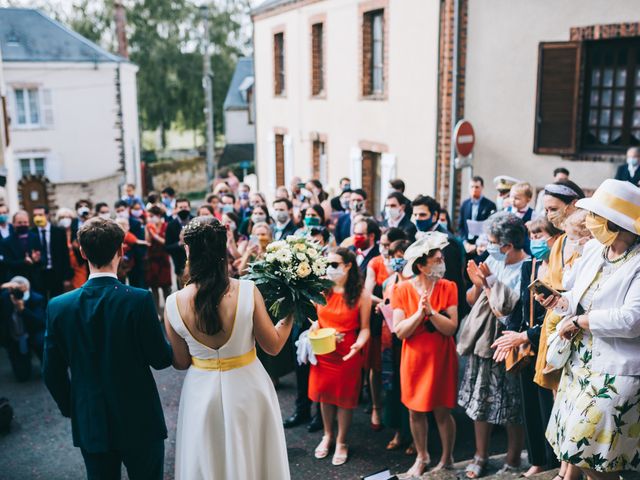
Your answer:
<point x="454" y="108"/>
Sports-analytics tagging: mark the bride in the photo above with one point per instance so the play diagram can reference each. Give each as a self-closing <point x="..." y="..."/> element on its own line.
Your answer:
<point x="229" y="421"/>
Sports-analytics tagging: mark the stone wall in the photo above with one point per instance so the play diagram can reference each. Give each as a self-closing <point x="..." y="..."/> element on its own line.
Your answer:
<point x="104" y="189"/>
<point x="185" y="176"/>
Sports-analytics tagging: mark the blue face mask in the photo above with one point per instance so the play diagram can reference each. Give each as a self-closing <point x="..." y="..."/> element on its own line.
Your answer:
<point x="398" y="264"/>
<point x="226" y="208"/>
<point x="166" y="201"/>
<point x="424" y="225"/>
<point x="540" y="248"/>
<point x="4" y="218"/>
<point x="494" y="250"/>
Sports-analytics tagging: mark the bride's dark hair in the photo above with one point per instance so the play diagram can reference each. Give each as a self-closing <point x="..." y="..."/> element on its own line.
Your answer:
<point x="208" y="270"/>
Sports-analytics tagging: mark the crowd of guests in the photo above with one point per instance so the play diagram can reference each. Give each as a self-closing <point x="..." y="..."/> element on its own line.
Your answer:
<point x="412" y="295"/>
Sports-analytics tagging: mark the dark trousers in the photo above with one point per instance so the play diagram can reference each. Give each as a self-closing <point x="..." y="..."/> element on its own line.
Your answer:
<point x="52" y="286"/>
<point x="537" y="403"/>
<point x="303" y="403"/>
<point x="144" y="463"/>
<point x="21" y="361"/>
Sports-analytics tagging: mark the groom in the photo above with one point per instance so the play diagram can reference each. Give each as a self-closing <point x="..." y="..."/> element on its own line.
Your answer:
<point x="107" y="335"/>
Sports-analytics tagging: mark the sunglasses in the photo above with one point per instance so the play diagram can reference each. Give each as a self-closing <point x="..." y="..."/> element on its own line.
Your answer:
<point x="334" y="264"/>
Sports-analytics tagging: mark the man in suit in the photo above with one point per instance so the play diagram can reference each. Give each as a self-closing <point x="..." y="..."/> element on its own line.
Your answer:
<point x="136" y="275"/>
<point x="83" y="210"/>
<point x="629" y="172"/>
<point x="366" y="234"/>
<point x="396" y="215"/>
<point x="55" y="271"/>
<point x="173" y="243"/>
<point x="345" y="223"/>
<point x="426" y="211"/>
<point x="22" y="325"/>
<point x="477" y="208"/>
<point x="337" y="204"/>
<point x="283" y="215"/>
<point x="20" y="249"/>
<point x="106" y="335"/>
<point x="6" y="228"/>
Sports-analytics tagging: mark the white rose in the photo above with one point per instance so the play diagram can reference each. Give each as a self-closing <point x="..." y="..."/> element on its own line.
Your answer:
<point x="301" y="256"/>
<point x="304" y="270"/>
<point x="292" y="238"/>
<point x="270" y="257"/>
<point x="312" y="252"/>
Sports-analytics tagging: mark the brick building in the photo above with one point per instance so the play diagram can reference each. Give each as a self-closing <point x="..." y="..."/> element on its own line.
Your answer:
<point x="368" y="89"/>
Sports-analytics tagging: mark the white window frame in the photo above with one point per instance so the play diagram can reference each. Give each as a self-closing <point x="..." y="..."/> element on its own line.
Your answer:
<point x="27" y="107"/>
<point x="31" y="157"/>
<point x="377" y="53"/>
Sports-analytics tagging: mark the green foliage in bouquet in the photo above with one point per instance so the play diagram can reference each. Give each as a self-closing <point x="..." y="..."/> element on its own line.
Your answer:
<point x="290" y="278"/>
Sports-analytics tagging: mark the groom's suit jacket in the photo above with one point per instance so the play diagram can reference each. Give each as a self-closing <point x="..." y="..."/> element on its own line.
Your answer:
<point x="106" y="335"/>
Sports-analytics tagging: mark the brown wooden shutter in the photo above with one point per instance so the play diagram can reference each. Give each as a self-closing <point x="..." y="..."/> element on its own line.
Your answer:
<point x="279" y="145"/>
<point x="557" y="104"/>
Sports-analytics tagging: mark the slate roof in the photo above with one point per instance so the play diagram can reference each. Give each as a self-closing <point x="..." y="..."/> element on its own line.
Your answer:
<point x="28" y="35"/>
<point x="235" y="98"/>
<point x="270" y="5"/>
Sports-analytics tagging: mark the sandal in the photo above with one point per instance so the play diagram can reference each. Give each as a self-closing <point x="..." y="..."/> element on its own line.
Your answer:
<point x="320" y="451"/>
<point x="442" y="466"/>
<point x="506" y="468"/>
<point x="409" y="475"/>
<point x="411" y="450"/>
<point x="338" y="460"/>
<point x="477" y="468"/>
<point x="394" y="444"/>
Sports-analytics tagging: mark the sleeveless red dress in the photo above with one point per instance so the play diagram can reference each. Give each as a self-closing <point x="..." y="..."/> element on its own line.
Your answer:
<point x="333" y="380"/>
<point x="429" y="362"/>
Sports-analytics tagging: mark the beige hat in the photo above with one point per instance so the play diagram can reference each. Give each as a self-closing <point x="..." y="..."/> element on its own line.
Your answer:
<point x="618" y="202"/>
<point x="426" y="242"/>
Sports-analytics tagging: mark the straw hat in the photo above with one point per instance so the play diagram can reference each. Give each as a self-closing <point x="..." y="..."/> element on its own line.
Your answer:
<point x="428" y="241"/>
<point x="618" y="202"/>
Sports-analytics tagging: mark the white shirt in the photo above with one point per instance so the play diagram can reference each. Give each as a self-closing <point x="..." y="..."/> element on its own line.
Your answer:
<point x="394" y="223"/>
<point x="362" y="255"/>
<point x="632" y="170"/>
<point x="103" y="274"/>
<point x="47" y="235"/>
<point x="614" y="318"/>
<point x="5" y="231"/>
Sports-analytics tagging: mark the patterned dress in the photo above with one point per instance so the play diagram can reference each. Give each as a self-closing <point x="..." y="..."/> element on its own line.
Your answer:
<point x="595" y="421"/>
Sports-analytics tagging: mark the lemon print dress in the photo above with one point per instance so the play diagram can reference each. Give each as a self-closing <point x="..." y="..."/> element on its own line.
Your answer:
<point x="595" y="421"/>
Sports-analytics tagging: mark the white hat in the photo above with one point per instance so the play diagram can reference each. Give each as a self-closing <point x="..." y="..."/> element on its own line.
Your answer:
<point x="504" y="182"/>
<point x="428" y="241"/>
<point x="618" y="202"/>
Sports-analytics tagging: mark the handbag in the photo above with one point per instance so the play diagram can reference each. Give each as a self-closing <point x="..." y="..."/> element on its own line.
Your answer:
<point x="520" y="357"/>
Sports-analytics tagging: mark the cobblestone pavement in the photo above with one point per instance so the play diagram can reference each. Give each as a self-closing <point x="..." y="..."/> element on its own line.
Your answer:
<point x="40" y="447"/>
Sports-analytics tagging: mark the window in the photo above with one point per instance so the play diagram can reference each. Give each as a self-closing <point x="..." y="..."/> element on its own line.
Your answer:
<point x="371" y="177"/>
<point x="373" y="53"/>
<point x="317" y="59"/>
<point x="31" y="166"/>
<point x="27" y="107"/>
<point x="279" y="146"/>
<point x="319" y="161"/>
<point x="278" y="63"/>
<point x="250" y="112"/>
<point x="612" y="95"/>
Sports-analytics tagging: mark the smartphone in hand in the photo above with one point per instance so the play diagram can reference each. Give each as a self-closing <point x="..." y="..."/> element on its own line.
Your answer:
<point x="538" y="287"/>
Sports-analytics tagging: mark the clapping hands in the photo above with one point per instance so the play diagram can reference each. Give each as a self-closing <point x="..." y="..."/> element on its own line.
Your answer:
<point x="508" y="341"/>
<point x="478" y="273"/>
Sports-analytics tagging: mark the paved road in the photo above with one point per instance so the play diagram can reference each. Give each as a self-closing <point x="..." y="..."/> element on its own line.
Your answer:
<point x="39" y="445"/>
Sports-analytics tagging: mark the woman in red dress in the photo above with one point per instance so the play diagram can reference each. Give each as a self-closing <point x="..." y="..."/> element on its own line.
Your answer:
<point x="425" y="314"/>
<point x="335" y="380"/>
<point x="158" y="263"/>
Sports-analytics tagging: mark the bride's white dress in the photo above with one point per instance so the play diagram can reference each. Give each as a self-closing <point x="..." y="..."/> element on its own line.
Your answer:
<point x="229" y="421"/>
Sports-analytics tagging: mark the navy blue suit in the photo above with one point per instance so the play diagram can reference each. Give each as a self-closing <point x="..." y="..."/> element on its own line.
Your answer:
<point x="107" y="335"/>
<point x="623" y="174"/>
<point x="343" y="228"/>
<point x="485" y="209"/>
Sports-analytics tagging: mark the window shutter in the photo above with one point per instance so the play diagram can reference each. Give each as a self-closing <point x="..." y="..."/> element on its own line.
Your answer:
<point x="387" y="173"/>
<point x="271" y="161"/>
<point x="47" y="108"/>
<point x="288" y="159"/>
<point x="559" y="66"/>
<point x="355" y="157"/>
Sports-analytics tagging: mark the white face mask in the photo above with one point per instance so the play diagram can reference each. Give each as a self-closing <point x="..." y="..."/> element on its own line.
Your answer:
<point x="257" y="218"/>
<point x="64" y="222"/>
<point x="393" y="213"/>
<point x="106" y="216"/>
<point x="437" y="271"/>
<point x="335" y="274"/>
<point x="123" y="214"/>
<point x="632" y="161"/>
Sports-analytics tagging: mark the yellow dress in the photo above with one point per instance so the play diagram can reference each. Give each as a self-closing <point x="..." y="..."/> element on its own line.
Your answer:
<point x="553" y="277"/>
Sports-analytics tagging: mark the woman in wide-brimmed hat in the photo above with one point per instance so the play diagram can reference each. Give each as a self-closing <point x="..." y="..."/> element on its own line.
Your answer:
<point x="596" y="417"/>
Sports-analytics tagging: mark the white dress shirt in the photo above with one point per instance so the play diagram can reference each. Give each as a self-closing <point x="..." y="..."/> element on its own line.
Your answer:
<point x="102" y="275"/>
<point x="47" y="235"/>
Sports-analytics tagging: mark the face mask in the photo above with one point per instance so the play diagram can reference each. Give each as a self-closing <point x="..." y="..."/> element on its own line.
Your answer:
<point x="83" y="211"/>
<point x="105" y="216"/>
<point x="540" y="248"/>
<point x="557" y="218"/>
<point x="443" y="224"/>
<point x="122" y="214"/>
<point x="183" y="215"/>
<point x="136" y="213"/>
<point x="344" y="204"/>
<point x="22" y="230"/>
<point x="357" y="206"/>
<point x="393" y="213"/>
<point x="64" y="222"/>
<point x="154" y="220"/>
<point x="167" y="202"/>
<point x="4" y="218"/>
<point x="243" y="196"/>
<point x="496" y="254"/>
<point x="384" y="251"/>
<point x="398" y="264"/>
<point x="499" y="203"/>
<point x="40" y="221"/>
<point x="232" y="226"/>
<point x="282" y="217"/>
<point x="335" y="274"/>
<point x="600" y="230"/>
<point x="226" y="208"/>
<point x="424" y="225"/>
<point x="361" y="242"/>
<point x="258" y="218"/>
<point x="312" y="221"/>
<point x="437" y="271"/>
<point x="633" y="161"/>
<point x="575" y="245"/>
<point x="347" y="186"/>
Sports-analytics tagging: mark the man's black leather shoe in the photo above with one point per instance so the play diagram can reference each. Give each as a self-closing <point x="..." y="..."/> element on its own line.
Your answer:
<point x="296" y="419"/>
<point x="316" y="424"/>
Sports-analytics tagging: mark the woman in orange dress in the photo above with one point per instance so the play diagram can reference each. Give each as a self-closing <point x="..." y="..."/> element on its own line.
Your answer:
<point x="64" y="217"/>
<point x="425" y="315"/>
<point x="335" y="380"/>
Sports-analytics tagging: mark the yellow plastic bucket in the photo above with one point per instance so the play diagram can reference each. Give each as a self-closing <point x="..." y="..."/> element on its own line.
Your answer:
<point x="323" y="341"/>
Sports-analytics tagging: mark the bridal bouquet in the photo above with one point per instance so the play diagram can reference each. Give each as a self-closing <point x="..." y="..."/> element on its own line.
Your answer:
<point x="290" y="278"/>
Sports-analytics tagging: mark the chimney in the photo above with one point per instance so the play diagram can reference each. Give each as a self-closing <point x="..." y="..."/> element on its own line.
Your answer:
<point x="121" y="33"/>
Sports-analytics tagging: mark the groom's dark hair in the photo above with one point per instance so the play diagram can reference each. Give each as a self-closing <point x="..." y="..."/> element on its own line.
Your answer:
<point x="100" y="240"/>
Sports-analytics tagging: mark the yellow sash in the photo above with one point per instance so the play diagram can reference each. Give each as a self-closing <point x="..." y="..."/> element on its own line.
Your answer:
<point x="224" y="364"/>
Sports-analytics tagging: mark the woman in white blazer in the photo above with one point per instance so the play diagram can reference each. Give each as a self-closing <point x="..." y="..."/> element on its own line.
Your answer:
<point x="595" y="422"/>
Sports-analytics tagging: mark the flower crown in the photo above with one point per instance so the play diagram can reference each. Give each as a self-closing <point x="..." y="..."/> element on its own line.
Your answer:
<point x="196" y="227"/>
